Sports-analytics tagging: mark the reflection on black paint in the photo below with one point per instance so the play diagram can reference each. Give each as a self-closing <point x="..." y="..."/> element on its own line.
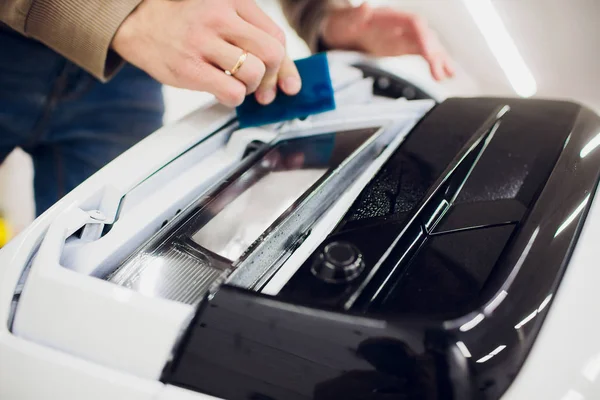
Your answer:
<point x="397" y="372"/>
<point x="447" y="275"/>
<point x="290" y="351"/>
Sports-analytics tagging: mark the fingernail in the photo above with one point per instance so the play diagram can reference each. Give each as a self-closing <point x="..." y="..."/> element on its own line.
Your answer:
<point x="266" y="96"/>
<point x="292" y="85"/>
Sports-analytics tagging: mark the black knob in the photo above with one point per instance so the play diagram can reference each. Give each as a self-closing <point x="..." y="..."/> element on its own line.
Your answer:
<point x="338" y="262"/>
<point x="409" y="93"/>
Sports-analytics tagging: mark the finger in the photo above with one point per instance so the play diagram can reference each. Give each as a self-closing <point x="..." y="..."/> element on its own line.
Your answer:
<point x="425" y="39"/>
<point x="430" y="49"/>
<point x="255" y="41"/>
<point x="252" y="13"/>
<point x="202" y="76"/>
<point x="289" y="78"/>
<point x="433" y="51"/>
<point x="436" y="65"/>
<point x="225" y="56"/>
<point x="449" y="68"/>
<point x="267" y="49"/>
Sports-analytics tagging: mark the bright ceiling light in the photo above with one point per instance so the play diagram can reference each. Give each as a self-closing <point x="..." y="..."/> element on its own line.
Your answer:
<point x="502" y="46"/>
<point x="526" y="319"/>
<point x="464" y="349"/>
<point x="467" y="326"/>
<point x="573" y="216"/>
<point x="591" y="146"/>
<point x="492" y="354"/>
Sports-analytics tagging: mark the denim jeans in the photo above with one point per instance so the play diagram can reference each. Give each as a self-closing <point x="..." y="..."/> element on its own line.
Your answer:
<point x="69" y="122"/>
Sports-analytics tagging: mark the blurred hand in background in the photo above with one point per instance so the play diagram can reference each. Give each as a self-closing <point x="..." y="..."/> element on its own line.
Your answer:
<point x="386" y="32"/>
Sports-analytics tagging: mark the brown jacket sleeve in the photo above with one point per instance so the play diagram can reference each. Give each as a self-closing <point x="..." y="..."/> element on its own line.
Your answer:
<point x="306" y="17"/>
<point x="80" y="30"/>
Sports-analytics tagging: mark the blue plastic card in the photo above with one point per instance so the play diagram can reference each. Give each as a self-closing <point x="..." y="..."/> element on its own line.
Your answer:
<point x="316" y="96"/>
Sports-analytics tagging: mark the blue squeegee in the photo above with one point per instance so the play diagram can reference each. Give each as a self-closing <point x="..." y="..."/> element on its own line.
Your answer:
<point x="316" y="96"/>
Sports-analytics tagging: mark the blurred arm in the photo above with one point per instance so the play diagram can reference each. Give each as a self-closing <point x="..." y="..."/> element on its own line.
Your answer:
<point x="306" y="17"/>
<point x="80" y="30"/>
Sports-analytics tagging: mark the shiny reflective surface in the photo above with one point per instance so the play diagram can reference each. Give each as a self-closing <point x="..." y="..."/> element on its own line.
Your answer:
<point x="203" y="246"/>
<point x="243" y="345"/>
<point x="268" y="254"/>
<point x="242" y="221"/>
<point x="517" y="319"/>
<point x="398" y="240"/>
<point x="174" y="275"/>
<point x="447" y="275"/>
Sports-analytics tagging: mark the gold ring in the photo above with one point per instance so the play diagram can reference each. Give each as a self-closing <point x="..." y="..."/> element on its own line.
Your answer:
<point x="237" y="65"/>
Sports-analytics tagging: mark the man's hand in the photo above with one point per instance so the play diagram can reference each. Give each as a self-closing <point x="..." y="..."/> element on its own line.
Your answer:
<point x="386" y="32"/>
<point x="189" y="44"/>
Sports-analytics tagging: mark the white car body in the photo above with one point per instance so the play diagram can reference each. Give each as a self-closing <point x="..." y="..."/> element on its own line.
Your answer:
<point x="73" y="336"/>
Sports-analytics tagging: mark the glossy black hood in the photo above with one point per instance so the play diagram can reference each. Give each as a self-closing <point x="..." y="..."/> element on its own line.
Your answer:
<point x="464" y="234"/>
